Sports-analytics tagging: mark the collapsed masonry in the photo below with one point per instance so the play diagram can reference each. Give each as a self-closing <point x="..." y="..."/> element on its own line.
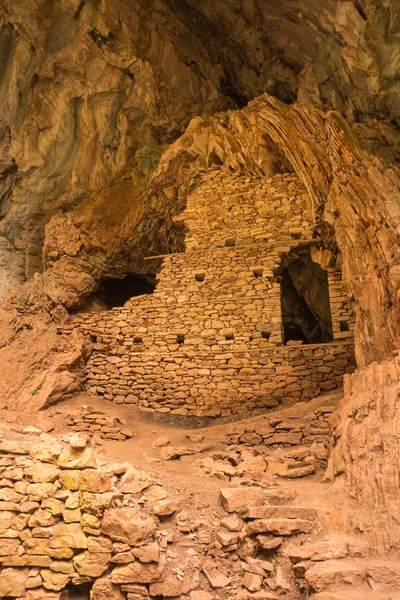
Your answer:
<point x="244" y="319"/>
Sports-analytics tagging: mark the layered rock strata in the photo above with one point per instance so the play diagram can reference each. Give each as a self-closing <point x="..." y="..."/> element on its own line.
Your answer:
<point x="365" y="453"/>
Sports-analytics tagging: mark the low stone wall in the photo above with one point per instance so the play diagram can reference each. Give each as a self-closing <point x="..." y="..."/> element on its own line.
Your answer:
<point x="62" y="523"/>
<point x="97" y="423"/>
<point x="220" y="384"/>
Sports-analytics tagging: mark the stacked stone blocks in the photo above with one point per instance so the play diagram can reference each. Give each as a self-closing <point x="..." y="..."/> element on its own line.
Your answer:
<point x="208" y="341"/>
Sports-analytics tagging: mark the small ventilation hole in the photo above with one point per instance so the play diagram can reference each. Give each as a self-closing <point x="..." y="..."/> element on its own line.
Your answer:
<point x="199" y="276"/>
<point x="344" y="326"/>
<point x="138" y="339"/>
<point x="180" y="338"/>
<point x="230" y="242"/>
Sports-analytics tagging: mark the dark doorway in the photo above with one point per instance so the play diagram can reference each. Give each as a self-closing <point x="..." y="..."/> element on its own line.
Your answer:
<point x="76" y="592"/>
<point x="306" y="312"/>
<point x="115" y="292"/>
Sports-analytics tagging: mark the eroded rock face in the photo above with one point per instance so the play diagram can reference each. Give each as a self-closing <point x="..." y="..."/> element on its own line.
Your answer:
<point x="88" y="88"/>
<point x="366" y="452"/>
<point x="348" y="185"/>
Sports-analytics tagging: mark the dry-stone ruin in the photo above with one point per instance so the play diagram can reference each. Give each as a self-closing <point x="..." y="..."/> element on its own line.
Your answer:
<point x="199" y="300"/>
<point x="210" y="340"/>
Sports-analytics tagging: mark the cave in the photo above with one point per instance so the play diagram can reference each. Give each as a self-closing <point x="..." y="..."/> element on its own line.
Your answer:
<point x="115" y="292"/>
<point x="306" y="314"/>
<point x="236" y="434"/>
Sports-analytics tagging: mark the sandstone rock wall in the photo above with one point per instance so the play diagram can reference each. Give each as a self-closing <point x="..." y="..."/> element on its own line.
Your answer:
<point x="88" y="89"/>
<point x="365" y="453"/>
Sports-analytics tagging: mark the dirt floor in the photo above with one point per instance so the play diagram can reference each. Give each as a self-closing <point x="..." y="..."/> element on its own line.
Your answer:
<point x="193" y="464"/>
<point x="182" y="477"/>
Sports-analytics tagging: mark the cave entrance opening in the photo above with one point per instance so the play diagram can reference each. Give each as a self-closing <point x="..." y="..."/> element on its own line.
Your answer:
<point x="306" y="312"/>
<point x="115" y="292"/>
<point x="77" y="592"/>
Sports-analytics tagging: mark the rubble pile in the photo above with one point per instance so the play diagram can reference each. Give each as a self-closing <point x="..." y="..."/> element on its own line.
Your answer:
<point x="97" y="423"/>
<point x="69" y="520"/>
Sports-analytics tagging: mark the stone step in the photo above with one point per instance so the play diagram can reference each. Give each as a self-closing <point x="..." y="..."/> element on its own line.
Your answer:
<point x="240" y="499"/>
<point x="382" y="575"/>
<point x="279" y="526"/>
<point x="356" y="593"/>
<point x="332" y="547"/>
<point x="285" y="512"/>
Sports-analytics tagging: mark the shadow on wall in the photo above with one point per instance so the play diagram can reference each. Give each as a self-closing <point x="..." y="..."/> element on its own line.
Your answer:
<point x="112" y="293"/>
<point x="306" y="312"/>
<point x="77" y="592"/>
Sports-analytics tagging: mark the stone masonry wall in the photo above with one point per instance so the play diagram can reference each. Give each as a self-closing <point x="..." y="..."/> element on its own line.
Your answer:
<point x="62" y="523"/>
<point x="219" y="384"/>
<point x="208" y="341"/>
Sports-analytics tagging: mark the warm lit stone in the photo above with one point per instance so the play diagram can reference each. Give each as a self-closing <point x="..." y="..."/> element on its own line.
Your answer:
<point x="125" y="525"/>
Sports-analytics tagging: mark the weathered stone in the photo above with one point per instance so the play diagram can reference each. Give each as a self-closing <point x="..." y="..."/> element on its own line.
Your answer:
<point x="175" y="452"/>
<point x="42" y="517"/>
<point x="104" y="589"/>
<point x="269" y="542"/>
<point x="327" y="573"/>
<point x="37" y="546"/>
<point x="215" y="579"/>
<point x="232" y="523"/>
<point x="62" y="566"/>
<point x="54" y="581"/>
<point x="316" y="551"/>
<point x="298" y="472"/>
<point x="13" y="582"/>
<point x="99" y="544"/>
<point x="126" y="525"/>
<point x="96" y="504"/>
<point x="164" y="508"/>
<point x="94" y="481"/>
<point x="252" y="582"/>
<point x="68" y="535"/>
<point x="237" y="499"/>
<point x="42" y="472"/>
<point x="134" y="481"/>
<point x="288" y="512"/>
<point x="70" y="479"/>
<point x="173" y="587"/>
<point x="34" y="582"/>
<point x="137" y="572"/>
<point x="71" y="458"/>
<point x="147" y="554"/>
<point x="90" y="564"/>
<point x="26" y="561"/>
<point x="47" y="451"/>
<point x="8" y="547"/>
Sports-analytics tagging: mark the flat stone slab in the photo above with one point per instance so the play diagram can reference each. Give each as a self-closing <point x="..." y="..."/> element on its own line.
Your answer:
<point x="285" y="512"/>
<point x="279" y="526"/>
<point x="382" y="575"/>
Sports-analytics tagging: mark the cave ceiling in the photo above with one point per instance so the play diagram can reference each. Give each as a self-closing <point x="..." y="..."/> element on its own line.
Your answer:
<point x="92" y="89"/>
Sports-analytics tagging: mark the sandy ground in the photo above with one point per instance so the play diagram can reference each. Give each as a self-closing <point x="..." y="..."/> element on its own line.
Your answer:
<point x="182" y="477"/>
